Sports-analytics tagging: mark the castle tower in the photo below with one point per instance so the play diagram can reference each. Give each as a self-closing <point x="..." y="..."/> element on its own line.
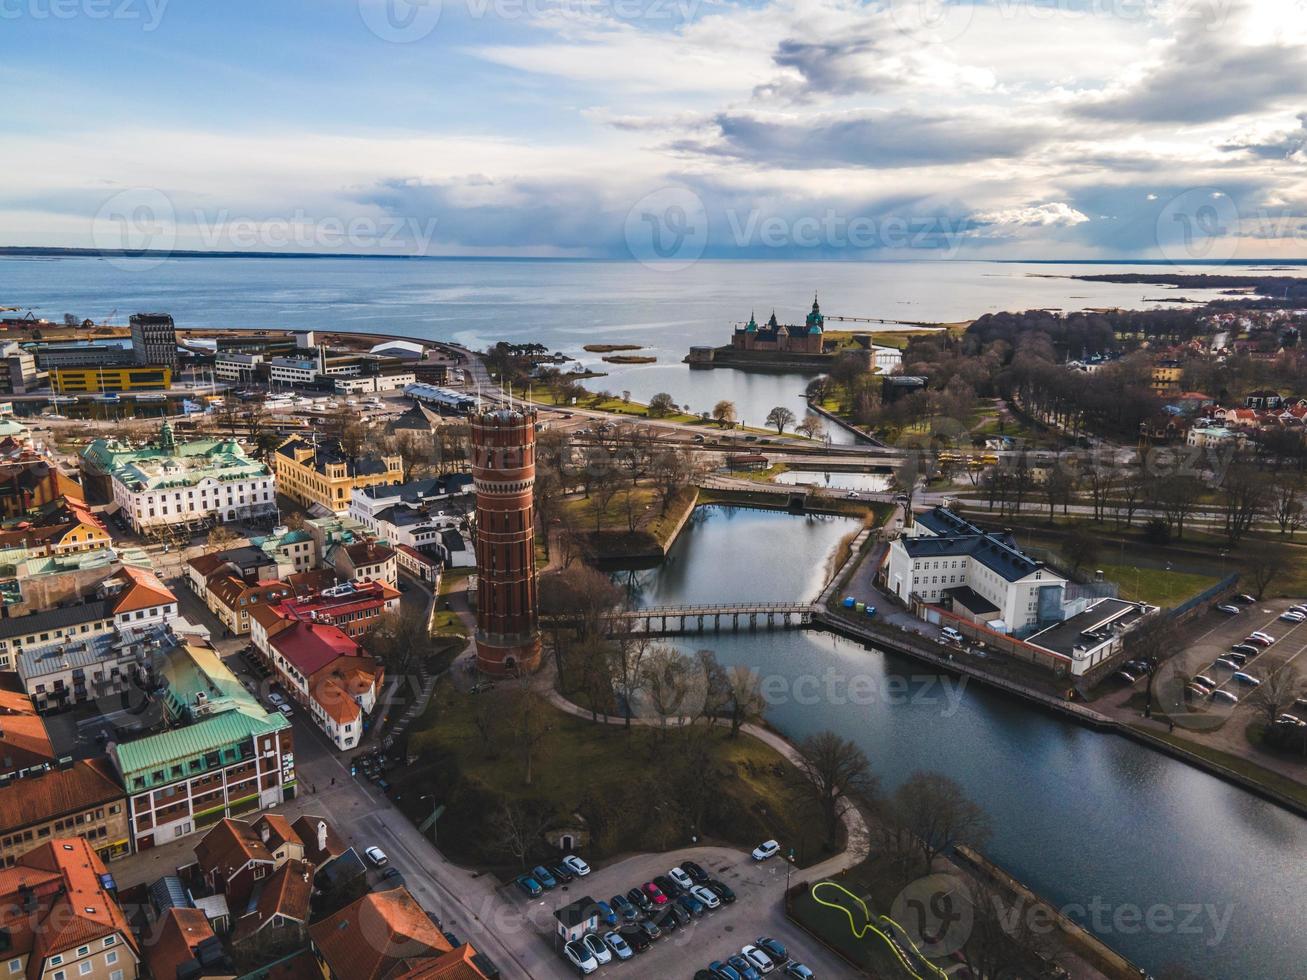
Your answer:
<point x="503" y="471"/>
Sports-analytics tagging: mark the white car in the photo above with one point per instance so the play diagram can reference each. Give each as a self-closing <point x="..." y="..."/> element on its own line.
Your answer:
<point x="759" y="960"/>
<point x="598" y="949"/>
<point x="580" y="957"/>
<point x="683" y="880"/>
<point x="1292" y="617"/>
<point x="706" y="895"/>
<point x="377" y="856"/>
<point x="950" y="634"/>
<point x="575" y="865"/>
<point x="275" y="699"/>
<point x="620" y="947"/>
<point x="286" y="710"/>
<point x="765" y="850"/>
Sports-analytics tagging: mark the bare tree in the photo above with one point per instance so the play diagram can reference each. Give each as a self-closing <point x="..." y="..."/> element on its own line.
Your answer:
<point x="723" y="413"/>
<point x="518" y="828"/>
<point x="530" y="724"/>
<point x="745" y="703"/>
<point x="1286" y="502"/>
<point x="1244" y="497"/>
<point x="626" y="663"/>
<point x="397" y="637"/>
<point x="668" y="679"/>
<point x="780" y="417"/>
<point x="833" y="773"/>
<point x="1262" y="569"/>
<point x="1276" y="694"/>
<point x="670" y="471"/>
<point x="938" y="814"/>
<point x="811" y="426"/>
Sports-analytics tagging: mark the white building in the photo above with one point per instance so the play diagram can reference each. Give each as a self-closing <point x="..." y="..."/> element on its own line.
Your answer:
<point x="386" y="381"/>
<point x="945" y="560"/>
<point x="1215" y="435"/>
<point x="236" y="367"/>
<point x="293" y="370"/>
<point x="886" y="360"/>
<point x="169" y="484"/>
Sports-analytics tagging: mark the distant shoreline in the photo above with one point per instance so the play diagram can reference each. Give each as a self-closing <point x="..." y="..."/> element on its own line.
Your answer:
<point x="39" y="251"/>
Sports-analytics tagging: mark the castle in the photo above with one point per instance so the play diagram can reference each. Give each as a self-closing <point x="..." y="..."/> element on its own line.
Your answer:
<point x="780" y="337"/>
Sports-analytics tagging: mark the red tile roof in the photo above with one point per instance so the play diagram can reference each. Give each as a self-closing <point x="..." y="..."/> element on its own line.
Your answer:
<point x="38" y="799"/>
<point x="286" y="893"/>
<point x="312" y="646"/>
<point x="229" y="846"/>
<point x="173" y="940"/>
<point x="373" y="938"/>
<point x="23" y="738"/>
<point x="143" y="591"/>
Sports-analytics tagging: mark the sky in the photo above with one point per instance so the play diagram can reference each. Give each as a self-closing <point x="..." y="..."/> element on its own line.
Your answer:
<point x="661" y="130"/>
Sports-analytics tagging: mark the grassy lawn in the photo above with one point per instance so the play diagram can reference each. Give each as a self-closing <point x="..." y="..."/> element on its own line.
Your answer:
<point x="454" y="580"/>
<point x="1156" y="585"/>
<point x="446" y="622"/>
<point x="602" y="772"/>
<point x="870" y="953"/>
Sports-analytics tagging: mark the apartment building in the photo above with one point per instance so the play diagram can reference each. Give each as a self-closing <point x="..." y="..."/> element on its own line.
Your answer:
<point x="324" y="474"/>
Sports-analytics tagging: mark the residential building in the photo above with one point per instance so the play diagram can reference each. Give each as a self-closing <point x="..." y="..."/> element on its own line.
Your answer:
<point x="355" y="607"/>
<point x="29" y="481"/>
<point x="60" y="919"/>
<point x="1203" y="436"/>
<point x="323" y="668"/>
<point x="320" y="840"/>
<point x="228" y="756"/>
<point x="25" y="747"/>
<point x="288" y="548"/>
<point x="58" y="527"/>
<point x="234" y="856"/>
<point x="190" y="484"/>
<point x="37" y="583"/>
<point x="182" y="944"/>
<point x="327" y="532"/>
<point x="280" y="906"/>
<point x="247" y="562"/>
<point x="364" y="561"/>
<point x="77" y="798"/>
<point x="420" y="565"/>
<point x="89" y="380"/>
<point x="1264" y="398"/>
<point x="154" y="339"/>
<point x="294" y="370"/>
<point x="232" y="600"/>
<point x="18" y="372"/>
<point x="323" y="474"/>
<point x="944" y="560"/>
<point x="388" y="935"/>
<point x="385" y="509"/>
<point x="1166" y="376"/>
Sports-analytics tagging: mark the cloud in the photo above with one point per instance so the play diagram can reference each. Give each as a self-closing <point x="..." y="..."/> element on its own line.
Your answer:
<point x="1288" y="144"/>
<point x="1056" y="214"/>
<point x="869" y="138"/>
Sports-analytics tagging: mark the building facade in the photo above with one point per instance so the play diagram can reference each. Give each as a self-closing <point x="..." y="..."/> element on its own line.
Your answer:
<point x="91" y="380"/>
<point x="782" y="338"/>
<point x="323" y="474"/>
<point x="79" y="798"/>
<point x="503" y="473"/>
<point x="154" y="339"/>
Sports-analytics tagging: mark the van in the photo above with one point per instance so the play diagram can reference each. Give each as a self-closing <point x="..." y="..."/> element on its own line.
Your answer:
<point x="951" y="635"/>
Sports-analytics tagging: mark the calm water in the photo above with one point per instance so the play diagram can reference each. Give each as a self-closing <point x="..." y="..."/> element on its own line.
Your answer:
<point x="873" y="482"/>
<point x="563" y="305"/>
<point x="1080" y="816"/>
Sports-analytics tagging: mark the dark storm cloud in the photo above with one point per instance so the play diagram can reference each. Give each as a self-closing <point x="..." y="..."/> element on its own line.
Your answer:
<point x="872" y="139"/>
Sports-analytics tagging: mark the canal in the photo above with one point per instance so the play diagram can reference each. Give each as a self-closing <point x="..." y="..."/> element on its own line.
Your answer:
<point x="1089" y="820"/>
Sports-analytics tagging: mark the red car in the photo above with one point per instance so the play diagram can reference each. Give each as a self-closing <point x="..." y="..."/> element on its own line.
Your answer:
<point x="655" y="893"/>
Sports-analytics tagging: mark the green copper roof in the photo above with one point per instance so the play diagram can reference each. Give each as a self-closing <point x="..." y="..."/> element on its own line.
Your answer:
<point x="226" y="730"/>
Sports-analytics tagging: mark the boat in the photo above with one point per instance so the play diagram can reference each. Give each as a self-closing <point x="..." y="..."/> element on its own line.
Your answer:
<point x="63" y="400"/>
<point x="151" y="396"/>
<point x="53" y="416"/>
<point x="108" y="398"/>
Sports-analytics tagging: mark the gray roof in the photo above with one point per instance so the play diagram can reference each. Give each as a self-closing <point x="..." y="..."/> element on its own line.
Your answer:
<point x="1089" y="628"/>
<point x="52" y="619"/>
<point x="991" y="550"/>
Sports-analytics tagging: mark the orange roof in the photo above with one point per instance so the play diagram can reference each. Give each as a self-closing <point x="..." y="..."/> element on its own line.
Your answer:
<point x="286" y="893"/>
<point x="143" y="591"/>
<point x="174" y="939"/>
<point x="280" y="830"/>
<point x="38" y="799"/>
<point x="23" y="738"/>
<point x="306" y="827"/>
<point x="229" y="846"/>
<point x="454" y="965"/>
<point x="335" y="701"/>
<point x="374" y="936"/>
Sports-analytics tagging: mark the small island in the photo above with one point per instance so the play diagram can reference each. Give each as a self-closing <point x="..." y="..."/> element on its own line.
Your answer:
<point x="610" y="348"/>
<point x="630" y="359"/>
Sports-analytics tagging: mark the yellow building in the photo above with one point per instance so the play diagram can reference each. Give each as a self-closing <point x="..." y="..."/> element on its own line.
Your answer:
<point x="325" y="475"/>
<point x="82" y="380"/>
<point x="1166" y="377"/>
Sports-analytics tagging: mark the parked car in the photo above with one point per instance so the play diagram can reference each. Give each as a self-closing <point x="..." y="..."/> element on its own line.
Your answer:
<point x="650" y="928"/>
<point x="765" y="850"/>
<point x="1228" y="663"/>
<point x="1237" y="657"/>
<point x="774" y="949"/>
<point x="656" y="894"/>
<point x="950" y="634"/>
<point x="1289" y="616"/>
<point x="683" y="917"/>
<point x="561" y="874"/>
<point x="696" y="873"/>
<point x="636" y="938"/>
<point x="1204" y="681"/>
<point x="723" y="892"/>
<point x="692" y="905"/>
<point x="723" y="971"/>
<point x="1127" y="676"/>
<point x="667" y="923"/>
<point x="1229" y="609"/>
<point x="743" y="967"/>
<point x="639" y="899"/>
<point x="758" y="959"/>
<point x="706" y="895"/>
<point x="580" y="957"/>
<point x="377" y="857"/>
<point x="528" y="886"/>
<point x="620" y="947"/>
<point x="575" y="865"/>
<point x="1226" y="697"/>
<point x="627" y="911"/>
<point x="683" y="880"/>
<point x="598" y="948"/>
<point x="1288" y="719"/>
<point x="275" y="699"/>
<point x="541" y="874"/>
<point x="286" y="710"/>
<point x="606" y="913"/>
<point x="669" y="888"/>
<point x="1246" y="648"/>
<point x="1244" y="599"/>
<point x="1245" y="678"/>
<point x="1262" y="635"/>
<point x="799" y="972"/>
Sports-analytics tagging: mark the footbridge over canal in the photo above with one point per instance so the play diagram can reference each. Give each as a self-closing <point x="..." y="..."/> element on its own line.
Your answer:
<point x="745" y="617"/>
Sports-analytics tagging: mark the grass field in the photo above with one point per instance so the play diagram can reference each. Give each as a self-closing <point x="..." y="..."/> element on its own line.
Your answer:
<point x="1156" y="585"/>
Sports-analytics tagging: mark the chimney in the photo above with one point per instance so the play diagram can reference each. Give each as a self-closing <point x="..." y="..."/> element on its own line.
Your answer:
<point x="322" y="836"/>
<point x="265" y="833"/>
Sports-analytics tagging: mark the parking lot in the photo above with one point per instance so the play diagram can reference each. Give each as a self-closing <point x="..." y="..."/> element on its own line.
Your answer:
<point x="757" y="911"/>
<point x="1212" y="636"/>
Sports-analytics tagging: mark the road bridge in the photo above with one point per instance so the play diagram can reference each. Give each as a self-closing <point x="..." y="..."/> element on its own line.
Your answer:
<point x="746" y="617"/>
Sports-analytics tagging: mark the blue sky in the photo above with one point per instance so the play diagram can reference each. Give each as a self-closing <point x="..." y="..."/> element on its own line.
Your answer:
<point x="610" y="128"/>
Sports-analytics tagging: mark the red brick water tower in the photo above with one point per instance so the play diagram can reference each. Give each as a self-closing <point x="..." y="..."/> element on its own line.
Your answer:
<point x="504" y="469"/>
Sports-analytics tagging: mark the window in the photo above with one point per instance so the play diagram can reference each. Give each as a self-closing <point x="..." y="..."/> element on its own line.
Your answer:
<point x="56" y="959"/>
<point x="85" y="967"/>
<point x="15" y="966"/>
<point x="111" y="957"/>
<point x="110" y="940"/>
